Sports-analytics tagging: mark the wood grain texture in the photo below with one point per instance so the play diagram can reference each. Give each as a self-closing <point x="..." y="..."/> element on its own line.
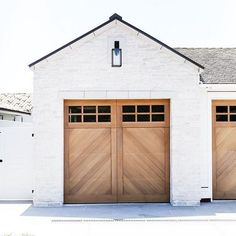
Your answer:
<point x="144" y="165"/>
<point x="224" y="156"/>
<point x="89" y="166"/>
<point x="225" y="173"/>
<point x="117" y="162"/>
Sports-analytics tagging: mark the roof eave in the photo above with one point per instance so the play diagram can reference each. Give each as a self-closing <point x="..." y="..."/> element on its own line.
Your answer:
<point x="14" y="111"/>
<point x="119" y="18"/>
<point x="162" y="44"/>
<point x="68" y="44"/>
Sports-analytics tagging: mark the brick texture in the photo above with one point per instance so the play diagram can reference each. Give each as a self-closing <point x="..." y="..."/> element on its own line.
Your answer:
<point x="148" y="71"/>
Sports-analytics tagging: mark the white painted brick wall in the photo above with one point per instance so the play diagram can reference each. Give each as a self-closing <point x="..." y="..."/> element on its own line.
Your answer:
<point x="149" y="71"/>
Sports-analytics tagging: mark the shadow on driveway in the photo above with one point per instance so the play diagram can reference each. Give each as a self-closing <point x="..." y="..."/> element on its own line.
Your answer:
<point x="207" y="211"/>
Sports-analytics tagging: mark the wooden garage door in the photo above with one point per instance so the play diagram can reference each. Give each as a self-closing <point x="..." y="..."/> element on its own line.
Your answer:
<point x="117" y="151"/>
<point x="90" y="154"/>
<point x="224" y="149"/>
<point x="143" y="157"/>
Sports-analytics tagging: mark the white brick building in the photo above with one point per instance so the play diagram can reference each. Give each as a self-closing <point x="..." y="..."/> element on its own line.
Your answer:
<point x="150" y="117"/>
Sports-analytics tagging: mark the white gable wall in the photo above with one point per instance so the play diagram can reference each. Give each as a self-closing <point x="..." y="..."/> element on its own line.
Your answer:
<point x="148" y="71"/>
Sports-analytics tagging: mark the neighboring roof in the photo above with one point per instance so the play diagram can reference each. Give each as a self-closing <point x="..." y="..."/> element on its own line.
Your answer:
<point x="119" y="18"/>
<point x="219" y="63"/>
<point x="16" y="102"/>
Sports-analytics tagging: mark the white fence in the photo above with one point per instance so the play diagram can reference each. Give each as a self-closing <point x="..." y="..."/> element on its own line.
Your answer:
<point x="16" y="160"/>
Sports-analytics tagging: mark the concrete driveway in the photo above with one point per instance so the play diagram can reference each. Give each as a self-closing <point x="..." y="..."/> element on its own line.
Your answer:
<point x="218" y="218"/>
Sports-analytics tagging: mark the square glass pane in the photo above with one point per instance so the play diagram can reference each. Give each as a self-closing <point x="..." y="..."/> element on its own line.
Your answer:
<point x="104" y="118"/>
<point x="128" y="109"/>
<point x="74" y="118"/>
<point x="221" y="109"/>
<point x="74" y="109"/>
<point x="116" y="57"/>
<point x="89" y="109"/>
<point x="104" y="109"/>
<point x="233" y="118"/>
<point x="221" y="118"/>
<point x="128" y="118"/>
<point x="232" y="109"/>
<point x="89" y="118"/>
<point x="158" y="108"/>
<point x="143" y="108"/>
<point x="143" y="118"/>
<point x="160" y="117"/>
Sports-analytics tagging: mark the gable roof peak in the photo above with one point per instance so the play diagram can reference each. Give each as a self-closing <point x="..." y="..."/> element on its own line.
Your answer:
<point x="118" y="17"/>
<point x="115" y="16"/>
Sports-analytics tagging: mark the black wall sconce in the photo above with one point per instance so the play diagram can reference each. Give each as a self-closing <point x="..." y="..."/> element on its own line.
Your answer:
<point x="116" y="55"/>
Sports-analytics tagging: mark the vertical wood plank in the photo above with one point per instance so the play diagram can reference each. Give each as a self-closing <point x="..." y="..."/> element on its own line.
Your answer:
<point x="119" y="143"/>
<point x="213" y="150"/>
<point x="66" y="163"/>
<point x="167" y="162"/>
<point x="114" y="150"/>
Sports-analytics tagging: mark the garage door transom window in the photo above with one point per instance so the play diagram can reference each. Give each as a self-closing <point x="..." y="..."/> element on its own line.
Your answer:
<point x="143" y="113"/>
<point x="89" y="114"/>
<point x="225" y="113"/>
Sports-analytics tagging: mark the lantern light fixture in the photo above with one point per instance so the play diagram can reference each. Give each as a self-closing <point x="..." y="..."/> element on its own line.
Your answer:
<point x="116" y="55"/>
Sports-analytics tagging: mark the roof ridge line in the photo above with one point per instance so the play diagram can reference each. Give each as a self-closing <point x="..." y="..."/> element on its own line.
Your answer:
<point x="119" y="18"/>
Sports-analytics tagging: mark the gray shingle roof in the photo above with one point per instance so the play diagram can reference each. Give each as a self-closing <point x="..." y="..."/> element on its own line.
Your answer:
<point x="21" y="102"/>
<point x="219" y="63"/>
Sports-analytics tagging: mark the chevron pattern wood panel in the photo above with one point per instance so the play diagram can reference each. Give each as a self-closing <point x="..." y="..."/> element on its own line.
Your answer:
<point x="145" y="165"/>
<point x="116" y="161"/>
<point x="225" y="150"/>
<point x="89" y="166"/>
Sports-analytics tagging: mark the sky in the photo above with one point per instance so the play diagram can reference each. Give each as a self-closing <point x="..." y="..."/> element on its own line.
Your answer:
<point x="30" y="29"/>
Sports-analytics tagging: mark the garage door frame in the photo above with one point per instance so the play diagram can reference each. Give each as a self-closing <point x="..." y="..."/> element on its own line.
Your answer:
<point x="218" y="195"/>
<point x="117" y="126"/>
